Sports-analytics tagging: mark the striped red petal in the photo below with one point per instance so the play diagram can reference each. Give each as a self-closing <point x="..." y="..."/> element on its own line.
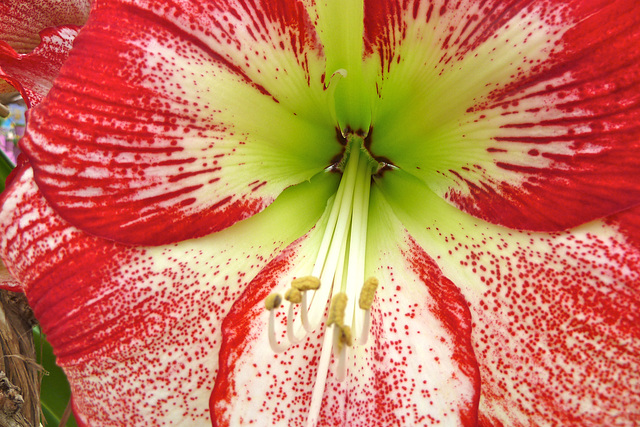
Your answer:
<point x="174" y="120"/>
<point x="140" y="322"/>
<point x="523" y="113"/>
<point x="33" y="73"/>
<point x="556" y="326"/>
<point x="22" y="20"/>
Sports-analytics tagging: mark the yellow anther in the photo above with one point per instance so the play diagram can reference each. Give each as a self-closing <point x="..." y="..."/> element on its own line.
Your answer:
<point x="344" y="337"/>
<point x="337" y="309"/>
<point x="293" y="295"/>
<point x="367" y="293"/>
<point x="306" y="283"/>
<point x="273" y="301"/>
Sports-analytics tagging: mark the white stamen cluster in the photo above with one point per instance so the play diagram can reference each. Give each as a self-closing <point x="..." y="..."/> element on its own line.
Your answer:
<point x="339" y="267"/>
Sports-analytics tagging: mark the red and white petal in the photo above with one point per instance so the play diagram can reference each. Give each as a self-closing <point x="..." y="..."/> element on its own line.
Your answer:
<point x="173" y="120"/>
<point x="20" y="25"/>
<point x="33" y="73"/>
<point x="254" y="384"/>
<point x="417" y="367"/>
<point x="420" y="337"/>
<point x="22" y="20"/>
<point x="137" y="330"/>
<point x="556" y="317"/>
<point x="522" y="113"/>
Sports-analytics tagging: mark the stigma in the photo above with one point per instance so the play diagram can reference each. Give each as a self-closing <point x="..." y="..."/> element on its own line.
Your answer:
<point x="334" y="297"/>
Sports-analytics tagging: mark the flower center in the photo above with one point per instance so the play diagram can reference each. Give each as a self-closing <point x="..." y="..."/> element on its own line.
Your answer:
<point x="337" y="278"/>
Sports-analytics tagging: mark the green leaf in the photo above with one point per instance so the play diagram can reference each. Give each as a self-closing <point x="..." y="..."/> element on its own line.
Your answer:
<point x="55" y="393"/>
<point x="6" y="166"/>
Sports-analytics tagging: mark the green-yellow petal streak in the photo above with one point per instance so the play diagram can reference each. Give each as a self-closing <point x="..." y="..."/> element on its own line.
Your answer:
<point x="340" y="26"/>
<point x="436" y="80"/>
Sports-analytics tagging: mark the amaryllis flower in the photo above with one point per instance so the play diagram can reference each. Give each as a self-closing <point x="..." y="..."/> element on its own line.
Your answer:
<point x="435" y="201"/>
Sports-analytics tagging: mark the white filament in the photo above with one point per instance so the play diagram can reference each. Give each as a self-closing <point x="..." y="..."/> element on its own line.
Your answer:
<point x="340" y="267"/>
